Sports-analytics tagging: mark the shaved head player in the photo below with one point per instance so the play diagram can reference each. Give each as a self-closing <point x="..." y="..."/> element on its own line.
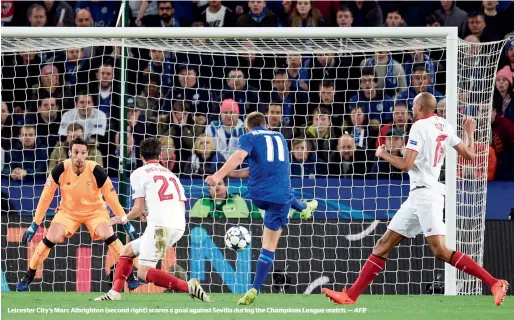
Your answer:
<point x="82" y="184"/>
<point x="423" y="210"/>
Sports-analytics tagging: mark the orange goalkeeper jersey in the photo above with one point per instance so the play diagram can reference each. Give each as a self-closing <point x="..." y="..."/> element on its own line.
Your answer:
<point x="79" y="193"/>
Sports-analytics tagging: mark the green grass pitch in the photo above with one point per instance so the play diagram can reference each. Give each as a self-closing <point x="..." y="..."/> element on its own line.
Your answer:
<point x="224" y="307"/>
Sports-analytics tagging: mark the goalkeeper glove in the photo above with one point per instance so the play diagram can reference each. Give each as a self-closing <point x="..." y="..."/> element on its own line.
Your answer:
<point x="29" y="234"/>
<point x="130" y="230"/>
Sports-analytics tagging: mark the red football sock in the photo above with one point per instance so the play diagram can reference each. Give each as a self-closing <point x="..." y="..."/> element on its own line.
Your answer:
<point x="164" y="280"/>
<point x="369" y="272"/>
<point x="123" y="270"/>
<point x="464" y="262"/>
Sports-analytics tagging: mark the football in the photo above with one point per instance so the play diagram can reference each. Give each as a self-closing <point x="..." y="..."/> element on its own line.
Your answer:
<point x="237" y="238"/>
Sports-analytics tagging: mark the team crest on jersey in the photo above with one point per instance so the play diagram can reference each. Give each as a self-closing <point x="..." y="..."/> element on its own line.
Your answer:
<point x="89" y="184"/>
<point x="414" y="143"/>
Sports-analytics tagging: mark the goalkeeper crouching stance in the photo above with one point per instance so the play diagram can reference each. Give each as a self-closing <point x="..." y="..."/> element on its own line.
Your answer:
<point x="82" y="184"/>
<point x="269" y="187"/>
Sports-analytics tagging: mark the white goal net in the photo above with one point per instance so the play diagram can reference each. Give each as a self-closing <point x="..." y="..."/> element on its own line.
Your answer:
<point x="334" y="99"/>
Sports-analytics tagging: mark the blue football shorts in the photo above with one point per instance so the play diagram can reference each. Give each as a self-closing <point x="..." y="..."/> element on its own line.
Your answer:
<point x="276" y="215"/>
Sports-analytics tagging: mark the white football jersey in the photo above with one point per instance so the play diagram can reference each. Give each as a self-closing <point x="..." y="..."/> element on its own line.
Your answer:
<point x="164" y="195"/>
<point x="430" y="138"/>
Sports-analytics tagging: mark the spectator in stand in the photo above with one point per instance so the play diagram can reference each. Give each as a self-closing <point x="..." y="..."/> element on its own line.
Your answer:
<point x="374" y="101"/>
<point x="180" y="126"/>
<point x="188" y="89"/>
<point x="27" y="159"/>
<point x="132" y="162"/>
<point x="83" y="18"/>
<point x="477" y="27"/>
<point x="75" y="67"/>
<point x="344" y="17"/>
<point x="237" y="88"/>
<point x="90" y="118"/>
<point x="434" y="20"/>
<point x="7" y="127"/>
<point x="304" y="161"/>
<point x="503" y="144"/>
<point x="257" y="68"/>
<point x="298" y="72"/>
<point x="228" y="129"/>
<point x="258" y="16"/>
<point x="59" y="13"/>
<point x="389" y="73"/>
<point x="149" y="98"/>
<point x="365" y="136"/>
<point x="395" y="145"/>
<point x="349" y="161"/>
<point x="142" y="12"/>
<point x="62" y="150"/>
<point x="48" y="121"/>
<point x="453" y="16"/>
<point x="166" y="15"/>
<point x="274" y="113"/>
<point x="104" y="13"/>
<point x="441" y="108"/>
<point x="37" y="15"/>
<point x="50" y="86"/>
<point x="420" y="57"/>
<point x="322" y="134"/>
<point x="217" y="15"/>
<point x="285" y="12"/>
<point x="493" y="19"/>
<point x="106" y="92"/>
<point x="400" y="124"/>
<point x="394" y="19"/>
<point x="294" y="103"/>
<point x="420" y="82"/>
<point x="328" y="66"/>
<point x="366" y="13"/>
<point x="221" y="204"/>
<point x="503" y="99"/>
<point x="161" y="64"/>
<point x="304" y="15"/>
<point x="327" y="99"/>
<point x="205" y="160"/>
<point x="168" y="154"/>
<point x="19" y="79"/>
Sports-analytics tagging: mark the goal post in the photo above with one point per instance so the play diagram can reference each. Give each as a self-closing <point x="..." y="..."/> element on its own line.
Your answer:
<point x="464" y="219"/>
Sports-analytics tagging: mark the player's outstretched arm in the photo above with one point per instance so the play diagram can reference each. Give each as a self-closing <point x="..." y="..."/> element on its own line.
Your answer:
<point x="45" y="200"/>
<point x="232" y="163"/>
<point x="239" y="174"/>
<point x="404" y="163"/>
<point x="467" y="150"/>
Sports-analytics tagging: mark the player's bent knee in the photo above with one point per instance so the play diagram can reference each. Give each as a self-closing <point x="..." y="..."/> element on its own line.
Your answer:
<point x="48" y="243"/>
<point x="127" y="250"/>
<point x="104" y="231"/>
<point x="142" y="271"/>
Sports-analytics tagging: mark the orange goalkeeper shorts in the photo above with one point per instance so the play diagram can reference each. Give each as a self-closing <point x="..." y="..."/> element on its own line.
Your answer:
<point x="72" y="221"/>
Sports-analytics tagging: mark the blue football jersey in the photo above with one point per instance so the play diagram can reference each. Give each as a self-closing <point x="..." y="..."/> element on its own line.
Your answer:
<point x="268" y="159"/>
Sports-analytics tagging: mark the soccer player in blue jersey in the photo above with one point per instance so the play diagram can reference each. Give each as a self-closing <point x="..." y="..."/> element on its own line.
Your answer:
<point x="269" y="187"/>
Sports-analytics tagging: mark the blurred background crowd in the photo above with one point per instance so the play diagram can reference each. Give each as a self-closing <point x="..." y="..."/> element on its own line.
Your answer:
<point x="334" y="109"/>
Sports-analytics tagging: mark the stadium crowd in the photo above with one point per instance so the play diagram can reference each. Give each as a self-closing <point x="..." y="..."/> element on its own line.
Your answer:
<point x="335" y="109"/>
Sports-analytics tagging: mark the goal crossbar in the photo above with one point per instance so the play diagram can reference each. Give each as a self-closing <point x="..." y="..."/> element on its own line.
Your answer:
<point x="240" y="33"/>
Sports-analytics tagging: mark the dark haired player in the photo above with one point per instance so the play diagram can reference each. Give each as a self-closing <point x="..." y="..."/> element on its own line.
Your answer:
<point x="158" y="189"/>
<point x="82" y="184"/>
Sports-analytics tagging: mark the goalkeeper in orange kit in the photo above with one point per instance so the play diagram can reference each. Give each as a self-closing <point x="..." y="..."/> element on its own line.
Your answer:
<point x="82" y="184"/>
